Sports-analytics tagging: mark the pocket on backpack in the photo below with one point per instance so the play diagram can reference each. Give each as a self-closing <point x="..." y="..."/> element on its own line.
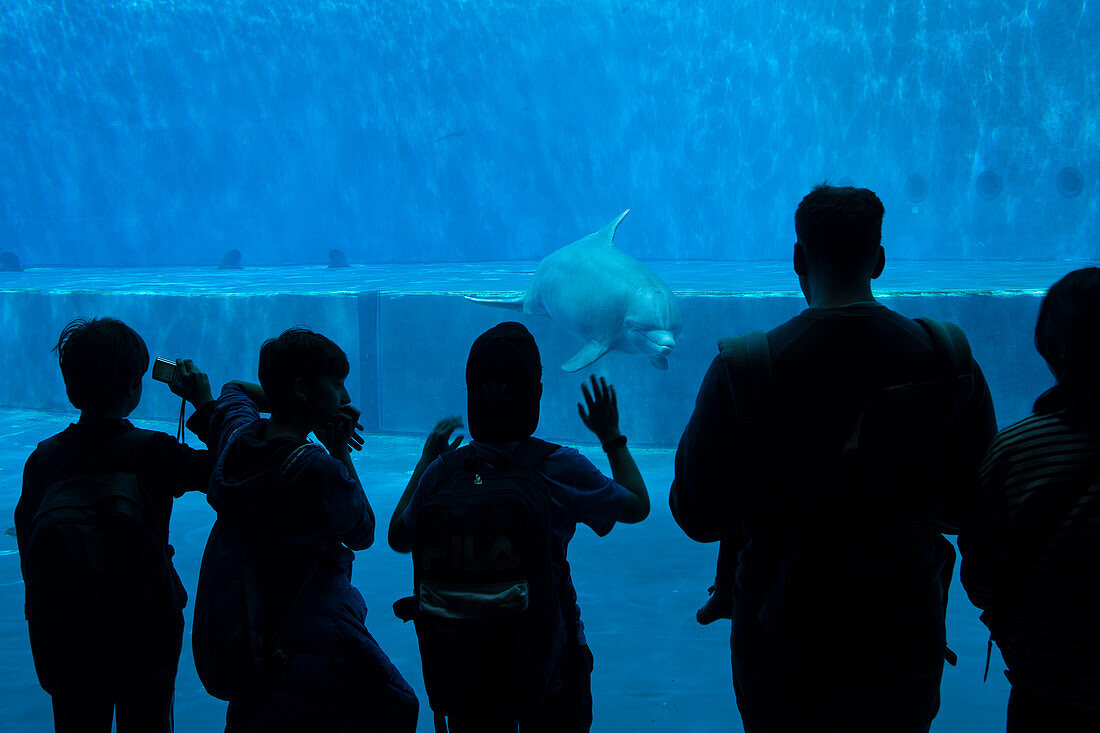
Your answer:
<point x="473" y="602"/>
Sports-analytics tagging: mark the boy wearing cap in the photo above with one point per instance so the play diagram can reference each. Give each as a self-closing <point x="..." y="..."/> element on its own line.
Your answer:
<point x="504" y="388"/>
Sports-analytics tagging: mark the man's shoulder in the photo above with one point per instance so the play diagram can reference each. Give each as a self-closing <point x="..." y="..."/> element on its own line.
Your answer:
<point x="875" y="313"/>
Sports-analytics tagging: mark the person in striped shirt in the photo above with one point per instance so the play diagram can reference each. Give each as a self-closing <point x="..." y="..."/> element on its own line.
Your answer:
<point x="1031" y="547"/>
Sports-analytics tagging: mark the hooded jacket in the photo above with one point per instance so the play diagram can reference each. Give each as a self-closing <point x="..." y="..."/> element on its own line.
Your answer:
<point x="302" y="522"/>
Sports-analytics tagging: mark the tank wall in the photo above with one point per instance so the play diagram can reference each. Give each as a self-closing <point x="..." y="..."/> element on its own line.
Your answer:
<point x="168" y="132"/>
<point x="221" y="334"/>
<point x="408" y="352"/>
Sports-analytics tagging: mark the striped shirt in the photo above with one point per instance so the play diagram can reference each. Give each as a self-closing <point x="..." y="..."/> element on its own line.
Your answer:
<point x="1051" y="638"/>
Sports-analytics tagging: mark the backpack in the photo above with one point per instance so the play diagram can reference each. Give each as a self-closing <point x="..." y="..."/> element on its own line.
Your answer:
<point x="899" y="425"/>
<point x="232" y="657"/>
<point x="488" y="617"/>
<point x="102" y="597"/>
<point x="895" y="425"/>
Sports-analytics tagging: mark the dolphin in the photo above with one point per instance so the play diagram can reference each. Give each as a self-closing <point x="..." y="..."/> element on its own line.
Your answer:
<point x="594" y="290"/>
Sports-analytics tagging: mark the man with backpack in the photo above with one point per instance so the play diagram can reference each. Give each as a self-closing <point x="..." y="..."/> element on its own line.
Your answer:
<point x="488" y="524"/>
<point x="835" y="450"/>
<point x="103" y="602"/>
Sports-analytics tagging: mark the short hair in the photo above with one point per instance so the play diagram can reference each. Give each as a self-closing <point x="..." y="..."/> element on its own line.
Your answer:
<point x="840" y="227"/>
<point x="100" y="361"/>
<point x="1066" y="334"/>
<point x="293" y="354"/>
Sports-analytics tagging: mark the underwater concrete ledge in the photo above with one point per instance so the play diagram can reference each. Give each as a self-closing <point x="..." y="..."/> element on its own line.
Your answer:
<point x="408" y="331"/>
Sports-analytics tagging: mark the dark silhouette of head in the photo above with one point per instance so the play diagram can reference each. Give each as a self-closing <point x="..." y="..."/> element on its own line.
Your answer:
<point x="337" y="258"/>
<point x="1066" y="337"/>
<point x="9" y="262"/>
<point x="840" y="233"/>
<point x="231" y="260"/>
<point x="102" y="362"/>
<point x="503" y="385"/>
<point x="294" y="358"/>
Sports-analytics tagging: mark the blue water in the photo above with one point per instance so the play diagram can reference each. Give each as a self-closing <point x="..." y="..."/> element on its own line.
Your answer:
<point x="446" y="147"/>
<point x="168" y="131"/>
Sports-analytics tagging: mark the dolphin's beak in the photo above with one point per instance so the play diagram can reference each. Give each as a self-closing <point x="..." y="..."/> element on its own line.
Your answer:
<point x="662" y="341"/>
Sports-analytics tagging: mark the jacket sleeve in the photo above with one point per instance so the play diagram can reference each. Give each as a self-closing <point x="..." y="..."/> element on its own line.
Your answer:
<point x="174" y="467"/>
<point x="347" y="512"/>
<point x="983" y="542"/>
<point x="232" y="410"/>
<point x="199" y="424"/>
<point x="705" y="499"/>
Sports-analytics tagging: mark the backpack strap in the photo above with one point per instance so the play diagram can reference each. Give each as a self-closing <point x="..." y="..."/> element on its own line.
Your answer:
<point x="531" y="453"/>
<point x="294" y="456"/>
<point x="953" y="353"/>
<point x="955" y="359"/>
<point x="748" y="363"/>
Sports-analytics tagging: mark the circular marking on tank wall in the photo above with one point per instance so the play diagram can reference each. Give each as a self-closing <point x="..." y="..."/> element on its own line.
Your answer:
<point x="989" y="185"/>
<point x="1070" y="182"/>
<point x="916" y="188"/>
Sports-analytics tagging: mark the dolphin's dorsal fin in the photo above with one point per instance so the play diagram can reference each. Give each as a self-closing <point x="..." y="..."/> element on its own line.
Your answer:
<point x="607" y="234"/>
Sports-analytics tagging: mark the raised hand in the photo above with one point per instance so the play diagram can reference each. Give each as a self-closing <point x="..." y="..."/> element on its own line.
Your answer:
<point x="600" y="411"/>
<point x="439" y="440"/>
<point x="340" y="434"/>
<point x="191" y="383"/>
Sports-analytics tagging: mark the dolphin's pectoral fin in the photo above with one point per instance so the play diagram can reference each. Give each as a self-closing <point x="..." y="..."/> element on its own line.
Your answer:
<point x="589" y="353"/>
<point x="660" y="362"/>
<point x="608" y="232"/>
<point x="510" y="303"/>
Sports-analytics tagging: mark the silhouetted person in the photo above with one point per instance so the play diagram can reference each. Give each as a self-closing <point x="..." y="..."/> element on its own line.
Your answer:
<point x="290" y="514"/>
<point x="9" y="262"/>
<point x="231" y="260"/>
<point x="104" y="604"/>
<point x="337" y="258"/>
<point x="509" y="554"/>
<point x="833" y="451"/>
<point x="1031" y="550"/>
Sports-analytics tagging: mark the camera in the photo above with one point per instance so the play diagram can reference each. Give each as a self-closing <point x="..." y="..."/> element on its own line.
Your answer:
<point x="165" y="370"/>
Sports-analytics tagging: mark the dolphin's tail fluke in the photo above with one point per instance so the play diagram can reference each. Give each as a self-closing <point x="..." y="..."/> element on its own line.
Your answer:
<point x="509" y="302"/>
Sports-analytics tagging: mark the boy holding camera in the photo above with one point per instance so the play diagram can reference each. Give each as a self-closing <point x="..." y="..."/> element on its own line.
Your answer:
<point x="104" y="604"/>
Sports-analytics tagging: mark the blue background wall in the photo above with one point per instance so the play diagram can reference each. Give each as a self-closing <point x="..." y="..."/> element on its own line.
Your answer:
<point x="167" y="132"/>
